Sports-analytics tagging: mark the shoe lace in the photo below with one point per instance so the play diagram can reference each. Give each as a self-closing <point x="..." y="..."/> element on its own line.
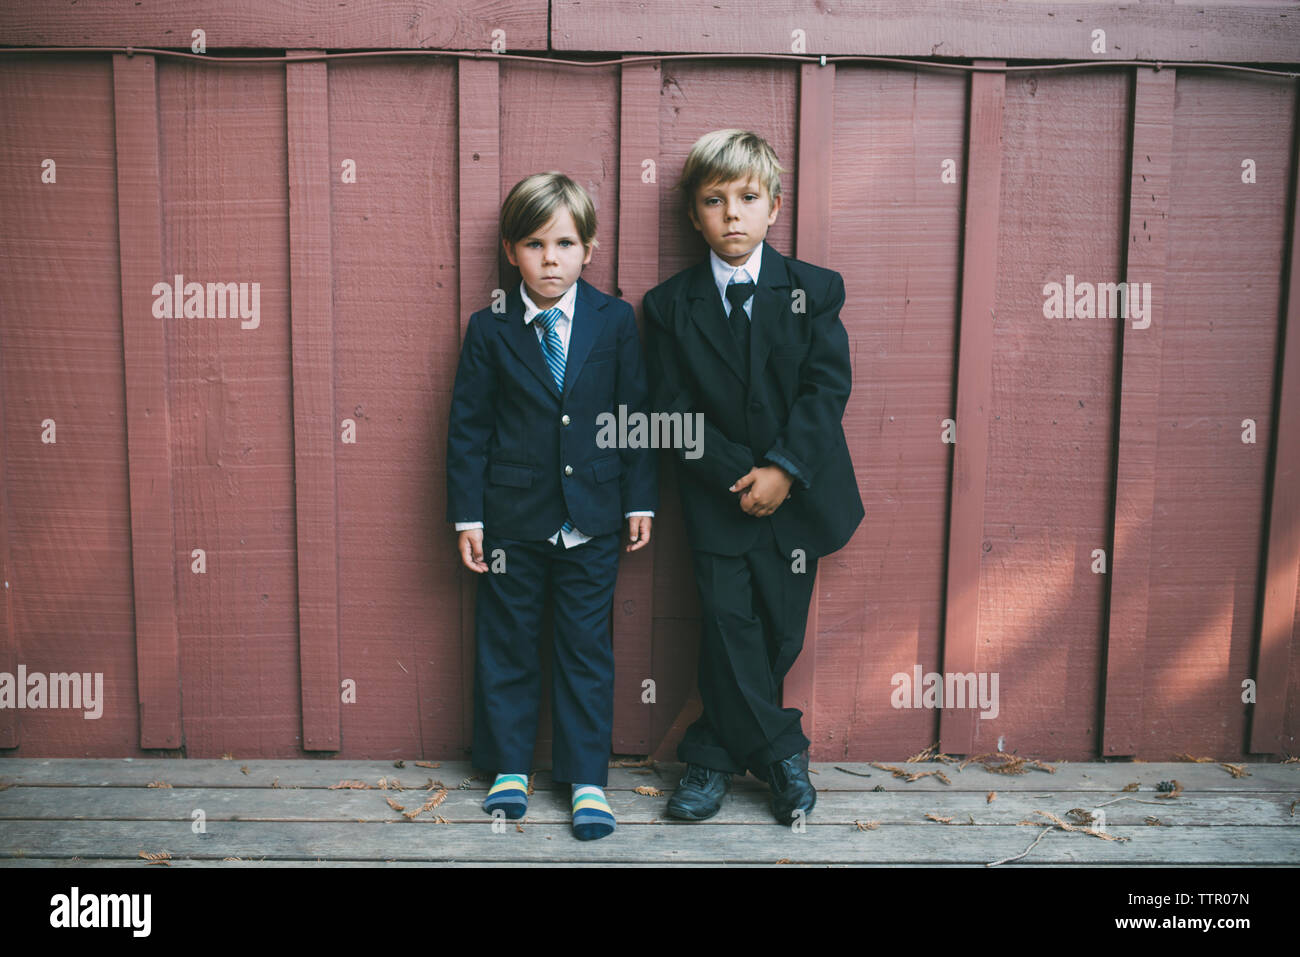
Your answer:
<point x="697" y="775"/>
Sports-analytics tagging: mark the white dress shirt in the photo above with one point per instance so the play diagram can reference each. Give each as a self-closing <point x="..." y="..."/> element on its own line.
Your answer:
<point x="723" y="272"/>
<point x="563" y="326"/>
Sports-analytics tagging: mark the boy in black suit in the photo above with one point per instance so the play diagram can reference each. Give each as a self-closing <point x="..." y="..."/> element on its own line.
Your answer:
<point x="753" y="340"/>
<point x="538" y="497"/>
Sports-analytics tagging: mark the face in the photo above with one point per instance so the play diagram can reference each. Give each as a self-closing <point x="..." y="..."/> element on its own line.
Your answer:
<point x="734" y="217"/>
<point x="550" y="259"/>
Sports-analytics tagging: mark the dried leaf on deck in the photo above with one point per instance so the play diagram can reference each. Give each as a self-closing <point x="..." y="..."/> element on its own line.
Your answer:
<point x="158" y="784"/>
<point x="228" y="756"/>
<point x="394" y="805"/>
<point x="1063" y="825"/>
<point x="867" y="825"/>
<point x="1131" y="786"/>
<point x="648" y="791"/>
<point x="428" y="764"/>
<point x="519" y="828"/>
<point x="1236" y="770"/>
<point x="1155" y="821"/>
<point x="643" y="763"/>
<point x="351" y="784"/>
<point x="1187" y="757"/>
<point x="990" y="797"/>
<point x="244" y="768"/>
<point x="399" y="764"/>
<point x="941" y="820"/>
<point x="1081" y="815"/>
<point x="932" y="753"/>
<point x="159" y="856"/>
<point x="911" y="776"/>
<point x="1169" y="789"/>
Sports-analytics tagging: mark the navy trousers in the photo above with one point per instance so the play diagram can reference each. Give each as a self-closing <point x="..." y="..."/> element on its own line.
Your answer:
<point x="579" y="582"/>
<point x="754" y="609"/>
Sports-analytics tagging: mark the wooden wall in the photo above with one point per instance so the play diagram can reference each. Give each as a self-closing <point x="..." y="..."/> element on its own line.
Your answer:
<point x="1099" y="536"/>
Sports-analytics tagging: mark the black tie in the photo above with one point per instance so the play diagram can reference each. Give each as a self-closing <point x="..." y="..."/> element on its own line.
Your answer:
<point x="737" y="294"/>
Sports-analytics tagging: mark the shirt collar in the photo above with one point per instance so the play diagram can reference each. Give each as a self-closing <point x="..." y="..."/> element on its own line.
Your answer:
<point x="723" y="270"/>
<point x="565" y="305"/>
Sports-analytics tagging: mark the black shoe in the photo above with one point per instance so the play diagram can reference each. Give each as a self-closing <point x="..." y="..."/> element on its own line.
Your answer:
<point x="791" y="789"/>
<point x="699" y="794"/>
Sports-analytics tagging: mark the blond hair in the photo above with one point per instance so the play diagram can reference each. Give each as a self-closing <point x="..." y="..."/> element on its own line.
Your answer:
<point x="725" y="155"/>
<point x="533" y="201"/>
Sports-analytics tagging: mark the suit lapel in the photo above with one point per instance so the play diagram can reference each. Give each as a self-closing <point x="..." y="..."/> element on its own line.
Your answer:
<point x="582" y="333"/>
<point x="769" y="309"/>
<point x="706" y="312"/>
<point x="522" y="341"/>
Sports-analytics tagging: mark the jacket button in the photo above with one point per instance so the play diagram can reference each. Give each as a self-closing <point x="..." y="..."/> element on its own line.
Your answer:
<point x="564" y="420"/>
<point x="568" y="470"/>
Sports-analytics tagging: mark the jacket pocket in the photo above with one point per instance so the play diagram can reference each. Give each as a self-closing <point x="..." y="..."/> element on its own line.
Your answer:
<point x="516" y="476"/>
<point x="610" y="467"/>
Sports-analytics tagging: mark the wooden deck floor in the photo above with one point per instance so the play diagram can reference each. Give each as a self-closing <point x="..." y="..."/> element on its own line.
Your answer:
<point x="104" y="813"/>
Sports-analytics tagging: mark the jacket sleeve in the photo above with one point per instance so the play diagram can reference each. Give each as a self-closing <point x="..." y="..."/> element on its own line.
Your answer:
<point x="640" y="481"/>
<point x="722" y="461"/>
<point x="469" y="429"/>
<point x="825" y="379"/>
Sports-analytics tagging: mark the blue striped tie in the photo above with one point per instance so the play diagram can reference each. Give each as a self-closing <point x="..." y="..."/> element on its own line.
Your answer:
<point x="553" y="351"/>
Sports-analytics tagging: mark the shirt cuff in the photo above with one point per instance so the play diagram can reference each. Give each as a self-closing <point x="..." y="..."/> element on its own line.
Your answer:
<point x="463" y="526"/>
<point x="630" y="514"/>
<point x="776" y="458"/>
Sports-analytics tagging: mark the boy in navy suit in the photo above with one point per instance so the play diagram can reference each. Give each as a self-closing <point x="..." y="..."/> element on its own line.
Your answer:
<point x="753" y="341"/>
<point x="538" y="499"/>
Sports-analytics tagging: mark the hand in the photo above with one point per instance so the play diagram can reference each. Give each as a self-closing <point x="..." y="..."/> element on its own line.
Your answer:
<point x="470" y="545"/>
<point x="763" y="489"/>
<point x="638" y="531"/>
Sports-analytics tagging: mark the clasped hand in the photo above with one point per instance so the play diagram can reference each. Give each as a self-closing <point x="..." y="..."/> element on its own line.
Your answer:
<point x="763" y="489"/>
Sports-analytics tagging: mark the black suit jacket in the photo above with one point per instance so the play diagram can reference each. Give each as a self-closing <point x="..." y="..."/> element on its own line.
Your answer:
<point x="521" y="456"/>
<point x="785" y="409"/>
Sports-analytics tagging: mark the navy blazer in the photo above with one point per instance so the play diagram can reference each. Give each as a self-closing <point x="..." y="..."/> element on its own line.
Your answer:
<point x="785" y="408"/>
<point x="521" y="457"/>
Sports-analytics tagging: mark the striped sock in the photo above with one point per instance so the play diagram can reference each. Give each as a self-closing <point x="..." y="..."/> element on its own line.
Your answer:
<point x="592" y="817"/>
<point x="509" y="792"/>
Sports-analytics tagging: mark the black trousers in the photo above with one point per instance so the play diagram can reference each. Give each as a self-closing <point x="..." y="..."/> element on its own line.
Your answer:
<point x="754" y="610"/>
<point x="507" y="669"/>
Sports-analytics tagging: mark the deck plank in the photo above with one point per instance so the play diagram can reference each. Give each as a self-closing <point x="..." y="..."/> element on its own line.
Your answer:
<point x="306" y="841"/>
<point x="1191" y="808"/>
<point x="194" y="772"/>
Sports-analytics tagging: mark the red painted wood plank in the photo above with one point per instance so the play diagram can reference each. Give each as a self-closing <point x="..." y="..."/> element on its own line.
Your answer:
<point x="312" y="323"/>
<point x="279" y="24"/>
<point x="1279" y="637"/>
<point x="135" y="105"/>
<point x="974" y="394"/>
<point x="8" y="645"/>
<point x="812" y="244"/>
<point x="478" y="95"/>
<point x="896" y="238"/>
<point x="638" y="272"/>
<point x="1008" y="29"/>
<point x="1222" y="291"/>
<point x="1139" y="405"/>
